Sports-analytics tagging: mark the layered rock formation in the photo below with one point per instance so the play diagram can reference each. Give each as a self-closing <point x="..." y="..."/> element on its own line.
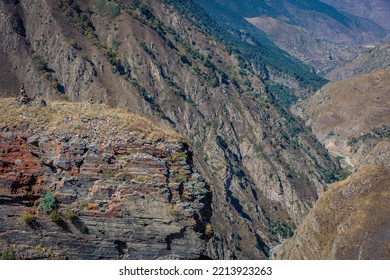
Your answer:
<point x="123" y="188"/>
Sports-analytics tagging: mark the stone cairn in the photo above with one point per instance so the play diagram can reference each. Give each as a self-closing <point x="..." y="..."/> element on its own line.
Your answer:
<point x="24" y="99"/>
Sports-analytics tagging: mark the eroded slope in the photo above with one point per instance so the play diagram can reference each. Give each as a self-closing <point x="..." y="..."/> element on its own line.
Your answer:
<point x="350" y="221"/>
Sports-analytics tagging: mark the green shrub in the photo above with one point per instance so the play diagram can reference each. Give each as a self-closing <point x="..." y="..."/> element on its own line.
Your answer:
<point x="140" y="179"/>
<point x="178" y="156"/>
<point x="8" y="254"/>
<point x="70" y="214"/>
<point x="116" y="44"/>
<point x="110" y="9"/>
<point x="48" y="202"/>
<point x="27" y="217"/>
<point x="197" y="187"/>
<point x="55" y="216"/>
<point x="208" y="230"/>
<point x="180" y="178"/>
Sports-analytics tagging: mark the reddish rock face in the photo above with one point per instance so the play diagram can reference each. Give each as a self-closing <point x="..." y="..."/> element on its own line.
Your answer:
<point x="19" y="168"/>
<point x="132" y="199"/>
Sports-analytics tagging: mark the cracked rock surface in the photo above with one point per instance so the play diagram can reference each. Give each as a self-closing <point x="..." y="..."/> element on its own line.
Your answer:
<point x="133" y="196"/>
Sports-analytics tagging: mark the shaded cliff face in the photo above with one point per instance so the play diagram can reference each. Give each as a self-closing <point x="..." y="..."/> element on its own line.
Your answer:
<point x="350" y="221"/>
<point x="266" y="168"/>
<point x="123" y="188"/>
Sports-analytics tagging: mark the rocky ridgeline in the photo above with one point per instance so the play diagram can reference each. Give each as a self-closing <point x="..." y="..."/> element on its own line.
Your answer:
<point x="118" y="197"/>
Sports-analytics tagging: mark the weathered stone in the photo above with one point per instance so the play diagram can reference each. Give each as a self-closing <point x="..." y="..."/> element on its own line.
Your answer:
<point x="126" y="202"/>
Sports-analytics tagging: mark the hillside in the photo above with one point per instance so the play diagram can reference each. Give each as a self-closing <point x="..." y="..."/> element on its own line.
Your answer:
<point x="151" y="58"/>
<point x="82" y="181"/>
<point x="350" y="221"/>
<point x="345" y="130"/>
<point x="314" y="32"/>
<point x="374" y="10"/>
<point x="371" y="60"/>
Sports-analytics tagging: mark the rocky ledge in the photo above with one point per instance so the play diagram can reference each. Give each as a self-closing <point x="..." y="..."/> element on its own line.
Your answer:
<point x="82" y="181"/>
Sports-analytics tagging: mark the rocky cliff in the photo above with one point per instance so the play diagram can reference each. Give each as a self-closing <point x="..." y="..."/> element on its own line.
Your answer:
<point x="123" y="188"/>
<point x="267" y="169"/>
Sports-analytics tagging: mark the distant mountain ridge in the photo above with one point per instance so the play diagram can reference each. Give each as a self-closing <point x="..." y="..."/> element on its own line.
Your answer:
<point x="374" y="10"/>
<point x="317" y="33"/>
<point x="368" y="61"/>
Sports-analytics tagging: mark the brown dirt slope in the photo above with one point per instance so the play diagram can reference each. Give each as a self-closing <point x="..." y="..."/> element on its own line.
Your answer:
<point x="351" y="116"/>
<point x="350" y="221"/>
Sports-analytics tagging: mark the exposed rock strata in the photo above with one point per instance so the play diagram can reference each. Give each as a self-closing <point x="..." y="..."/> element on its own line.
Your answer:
<point x="134" y="197"/>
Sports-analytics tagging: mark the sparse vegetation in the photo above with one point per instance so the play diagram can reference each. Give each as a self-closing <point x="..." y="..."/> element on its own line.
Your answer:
<point x="178" y="156"/>
<point x="109" y="8"/>
<point x="54" y="216"/>
<point x="47" y="72"/>
<point x="27" y="217"/>
<point x="52" y="117"/>
<point x="8" y="253"/>
<point x="48" y="203"/>
<point x="208" y="230"/>
<point x="180" y="178"/>
<point x="70" y="214"/>
<point x="140" y="179"/>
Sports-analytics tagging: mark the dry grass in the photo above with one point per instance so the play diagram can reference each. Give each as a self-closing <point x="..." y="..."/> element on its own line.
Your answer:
<point x="350" y="221"/>
<point x="82" y="119"/>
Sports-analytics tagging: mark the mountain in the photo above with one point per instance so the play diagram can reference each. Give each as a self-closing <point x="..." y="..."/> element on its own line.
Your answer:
<point x="335" y="120"/>
<point x="371" y="60"/>
<point x="314" y="32"/>
<point x="374" y="10"/>
<point x="350" y="221"/>
<point x="173" y="66"/>
<point x="83" y="181"/>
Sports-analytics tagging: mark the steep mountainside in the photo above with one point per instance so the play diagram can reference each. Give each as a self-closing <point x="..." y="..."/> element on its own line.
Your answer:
<point x="314" y="32"/>
<point x="371" y="60"/>
<point x="351" y="116"/>
<point x="350" y="221"/>
<point x="153" y="58"/>
<point x="374" y="10"/>
<point x="81" y="181"/>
